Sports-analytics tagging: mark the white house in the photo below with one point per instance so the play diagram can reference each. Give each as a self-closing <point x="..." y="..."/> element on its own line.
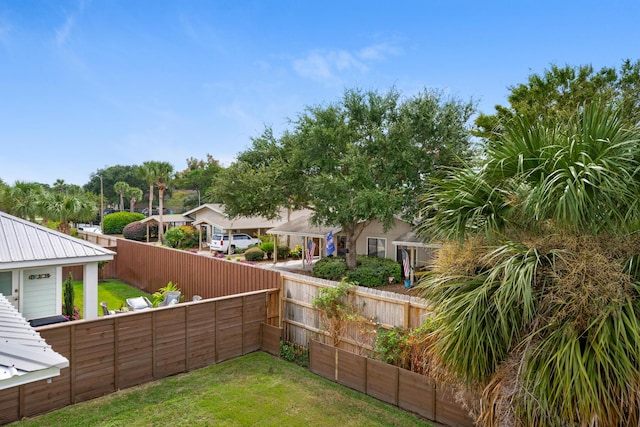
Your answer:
<point x="31" y="261"/>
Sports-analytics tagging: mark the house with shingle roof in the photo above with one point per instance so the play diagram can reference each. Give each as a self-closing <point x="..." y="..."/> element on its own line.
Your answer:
<point x="211" y="219"/>
<point x="31" y="261"/>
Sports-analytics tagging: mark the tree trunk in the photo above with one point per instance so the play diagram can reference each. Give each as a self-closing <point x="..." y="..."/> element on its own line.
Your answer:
<point x="150" y="207"/>
<point x="353" y="233"/>
<point x="160" y="208"/>
<point x="351" y="252"/>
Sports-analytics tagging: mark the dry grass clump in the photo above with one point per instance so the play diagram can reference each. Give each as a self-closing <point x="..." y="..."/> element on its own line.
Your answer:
<point x="536" y="318"/>
<point x="464" y="259"/>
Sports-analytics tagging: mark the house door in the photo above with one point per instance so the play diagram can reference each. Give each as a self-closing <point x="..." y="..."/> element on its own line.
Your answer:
<point x="9" y="287"/>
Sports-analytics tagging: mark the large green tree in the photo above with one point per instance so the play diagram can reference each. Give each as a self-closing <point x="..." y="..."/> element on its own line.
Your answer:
<point x="361" y="159"/>
<point x="537" y="295"/>
<point x="554" y="95"/>
<point x="200" y="176"/>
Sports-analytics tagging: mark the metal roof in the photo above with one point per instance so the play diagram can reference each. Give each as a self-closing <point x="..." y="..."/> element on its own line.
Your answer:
<point x="26" y="244"/>
<point x="411" y="239"/>
<point x="168" y="219"/>
<point x="24" y="355"/>
<point x="213" y="214"/>
<point x="302" y="226"/>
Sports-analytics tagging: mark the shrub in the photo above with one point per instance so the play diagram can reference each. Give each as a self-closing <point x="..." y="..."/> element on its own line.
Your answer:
<point x="372" y="272"/>
<point x="296" y="252"/>
<point x="174" y="237"/>
<point x="295" y="353"/>
<point x="254" y="254"/>
<point x="190" y="236"/>
<point x="138" y="231"/>
<point x="182" y="237"/>
<point x="267" y="248"/>
<point x="330" y="268"/>
<point x="283" y="252"/>
<point x="114" y="223"/>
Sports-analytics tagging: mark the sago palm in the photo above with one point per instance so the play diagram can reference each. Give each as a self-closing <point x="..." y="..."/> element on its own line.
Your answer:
<point x="537" y="298"/>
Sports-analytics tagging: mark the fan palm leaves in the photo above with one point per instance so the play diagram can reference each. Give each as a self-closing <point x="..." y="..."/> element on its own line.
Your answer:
<point x="537" y="300"/>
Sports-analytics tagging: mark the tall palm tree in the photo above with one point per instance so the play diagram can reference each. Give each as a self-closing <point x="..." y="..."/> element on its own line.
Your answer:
<point x="538" y="292"/>
<point x="134" y="194"/>
<point x="147" y="172"/>
<point x="121" y="188"/>
<point x="23" y="197"/>
<point x="160" y="174"/>
<point x="163" y="179"/>
<point x="66" y="207"/>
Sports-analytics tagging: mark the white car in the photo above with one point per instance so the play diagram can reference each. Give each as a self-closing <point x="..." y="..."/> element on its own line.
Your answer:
<point x="220" y="242"/>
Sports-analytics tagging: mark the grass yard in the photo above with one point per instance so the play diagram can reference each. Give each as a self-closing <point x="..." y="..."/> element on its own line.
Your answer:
<point x="253" y="390"/>
<point x="114" y="292"/>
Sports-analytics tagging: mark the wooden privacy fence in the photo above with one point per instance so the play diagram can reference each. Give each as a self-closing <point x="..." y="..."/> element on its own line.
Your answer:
<point x="150" y="267"/>
<point x="120" y="351"/>
<point x="407" y="390"/>
<point x="99" y="239"/>
<point x="302" y="323"/>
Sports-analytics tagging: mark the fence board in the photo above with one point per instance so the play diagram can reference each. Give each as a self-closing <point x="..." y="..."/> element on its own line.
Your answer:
<point x="352" y="370"/>
<point x="322" y="360"/>
<point x="229" y="329"/>
<point x="9" y="405"/>
<point x="448" y="411"/>
<point x="201" y="333"/>
<point x="271" y="336"/>
<point x="382" y="381"/>
<point x="416" y="393"/>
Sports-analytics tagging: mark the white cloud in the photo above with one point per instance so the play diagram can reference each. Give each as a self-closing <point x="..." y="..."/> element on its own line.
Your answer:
<point x="326" y="66"/>
<point x="378" y="51"/>
<point x="64" y="32"/>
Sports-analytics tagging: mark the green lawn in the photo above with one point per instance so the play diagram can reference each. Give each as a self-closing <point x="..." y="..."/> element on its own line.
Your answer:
<point x="114" y="292"/>
<point x="253" y="390"/>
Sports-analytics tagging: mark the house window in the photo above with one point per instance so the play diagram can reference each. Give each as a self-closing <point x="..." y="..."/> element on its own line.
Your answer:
<point x="6" y="287"/>
<point x="376" y="247"/>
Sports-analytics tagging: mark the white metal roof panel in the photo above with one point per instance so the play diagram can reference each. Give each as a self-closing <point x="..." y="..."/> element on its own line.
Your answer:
<point x="24" y="354"/>
<point x="22" y="241"/>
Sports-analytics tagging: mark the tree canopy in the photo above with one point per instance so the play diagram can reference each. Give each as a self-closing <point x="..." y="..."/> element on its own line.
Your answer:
<point x="360" y="159"/>
<point x="199" y="175"/>
<point x="554" y="95"/>
<point x="110" y="175"/>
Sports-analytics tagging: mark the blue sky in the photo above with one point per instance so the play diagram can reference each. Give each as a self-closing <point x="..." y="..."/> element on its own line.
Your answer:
<point x="90" y="84"/>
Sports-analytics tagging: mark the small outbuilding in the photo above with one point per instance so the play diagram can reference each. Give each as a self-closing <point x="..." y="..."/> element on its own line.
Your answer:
<point x="31" y="261"/>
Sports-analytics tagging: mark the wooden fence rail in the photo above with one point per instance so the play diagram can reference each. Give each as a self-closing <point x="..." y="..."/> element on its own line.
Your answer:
<point x="120" y="351"/>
